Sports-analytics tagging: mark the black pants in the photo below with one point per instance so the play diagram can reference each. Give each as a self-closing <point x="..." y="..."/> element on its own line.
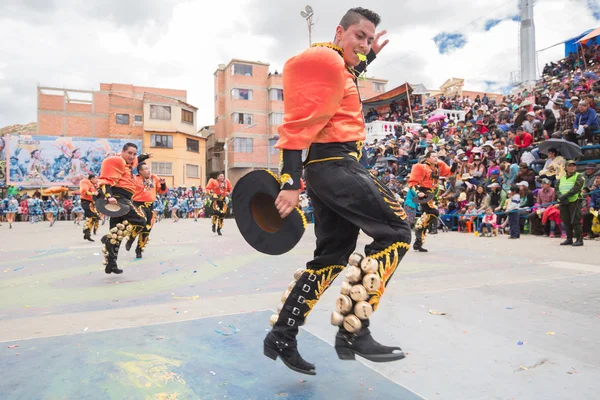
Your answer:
<point x="571" y="216"/>
<point x="130" y="224"/>
<point x="92" y="219"/>
<point x="430" y="214"/>
<point x="587" y="224"/>
<point x="535" y="224"/>
<point x="346" y="198"/>
<point x="144" y="235"/>
<point x="513" y="222"/>
<point x="219" y="210"/>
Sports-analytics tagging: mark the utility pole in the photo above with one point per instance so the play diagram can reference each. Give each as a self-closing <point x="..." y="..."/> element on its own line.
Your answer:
<point x="307" y="14"/>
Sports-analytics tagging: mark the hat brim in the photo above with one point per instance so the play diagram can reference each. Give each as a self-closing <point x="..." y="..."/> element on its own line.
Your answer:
<point x="257" y="217"/>
<point x="111" y="210"/>
<point x="423" y="200"/>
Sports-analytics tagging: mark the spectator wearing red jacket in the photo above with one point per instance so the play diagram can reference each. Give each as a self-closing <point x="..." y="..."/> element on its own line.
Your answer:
<point x="523" y="139"/>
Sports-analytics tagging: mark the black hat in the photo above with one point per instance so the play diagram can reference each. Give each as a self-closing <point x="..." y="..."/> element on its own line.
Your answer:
<point x="257" y="217"/>
<point x="112" y="210"/>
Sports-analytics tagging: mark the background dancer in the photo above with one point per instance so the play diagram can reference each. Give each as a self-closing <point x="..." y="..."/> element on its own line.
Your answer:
<point x="218" y="189"/>
<point x="147" y="186"/>
<point x="88" y="188"/>
<point x="424" y="180"/>
<point x="117" y="185"/>
<point x="323" y="112"/>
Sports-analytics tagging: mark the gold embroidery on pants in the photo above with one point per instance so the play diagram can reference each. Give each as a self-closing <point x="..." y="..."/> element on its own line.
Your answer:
<point x="327" y="276"/>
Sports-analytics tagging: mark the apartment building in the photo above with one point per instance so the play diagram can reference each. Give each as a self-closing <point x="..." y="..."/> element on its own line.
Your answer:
<point x="160" y="118"/>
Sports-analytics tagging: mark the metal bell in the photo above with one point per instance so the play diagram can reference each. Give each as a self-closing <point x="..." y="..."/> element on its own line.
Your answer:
<point x="355" y="259"/>
<point x="352" y="324"/>
<point x="343" y="304"/>
<point x="363" y="310"/>
<point x="372" y="282"/>
<point x="369" y="265"/>
<point x="358" y="293"/>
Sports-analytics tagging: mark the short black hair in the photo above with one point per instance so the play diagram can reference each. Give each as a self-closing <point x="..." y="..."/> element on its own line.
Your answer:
<point x="354" y="15"/>
<point x="128" y="145"/>
<point x="91" y="176"/>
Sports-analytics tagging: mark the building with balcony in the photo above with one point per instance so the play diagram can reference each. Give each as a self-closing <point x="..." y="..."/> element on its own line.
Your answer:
<point x="159" y="118"/>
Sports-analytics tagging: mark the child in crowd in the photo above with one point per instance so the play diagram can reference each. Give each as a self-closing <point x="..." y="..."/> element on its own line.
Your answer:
<point x="489" y="222"/>
<point x="512" y="208"/>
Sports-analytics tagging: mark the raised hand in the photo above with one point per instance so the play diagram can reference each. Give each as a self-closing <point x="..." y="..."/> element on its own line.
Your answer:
<point x="376" y="46"/>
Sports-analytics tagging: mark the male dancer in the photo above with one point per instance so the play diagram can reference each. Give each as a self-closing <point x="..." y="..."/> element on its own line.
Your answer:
<point x="323" y="112"/>
<point x="424" y="179"/>
<point x="118" y="182"/>
<point x="147" y="186"/>
<point x="89" y="188"/>
<point x="218" y="189"/>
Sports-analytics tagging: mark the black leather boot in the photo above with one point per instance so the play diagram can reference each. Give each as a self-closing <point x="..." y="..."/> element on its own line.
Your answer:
<point x="281" y="341"/>
<point x="129" y="243"/>
<point x="219" y="232"/>
<point x="214" y="228"/>
<point x="578" y="242"/>
<point x="347" y="345"/>
<point x="567" y="242"/>
<point x="138" y="253"/>
<point x="111" y="251"/>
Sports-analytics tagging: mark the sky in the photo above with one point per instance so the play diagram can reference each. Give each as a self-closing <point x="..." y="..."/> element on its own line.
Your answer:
<point x="180" y="43"/>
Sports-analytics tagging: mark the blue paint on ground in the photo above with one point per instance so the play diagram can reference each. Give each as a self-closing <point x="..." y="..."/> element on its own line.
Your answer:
<point x="184" y="360"/>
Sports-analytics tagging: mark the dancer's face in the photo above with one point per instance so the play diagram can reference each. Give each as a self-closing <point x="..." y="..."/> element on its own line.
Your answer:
<point x="129" y="154"/>
<point x="144" y="171"/>
<point x="356" y="39"/>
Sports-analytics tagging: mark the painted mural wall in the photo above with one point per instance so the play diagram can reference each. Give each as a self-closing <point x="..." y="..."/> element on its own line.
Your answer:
<point x="42" y="161"/>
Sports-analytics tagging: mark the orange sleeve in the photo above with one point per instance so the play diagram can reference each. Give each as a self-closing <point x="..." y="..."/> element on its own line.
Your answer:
<point x="83" y="186"/>
<point x="313" y="87"/>
<point x="111" y="171"/>
<point x="210" y="186"/>
<point x="416" y="175"/>
<point x="444" y="168"/>
<point x="158" y="185"/>
<point x="229" y="186"/>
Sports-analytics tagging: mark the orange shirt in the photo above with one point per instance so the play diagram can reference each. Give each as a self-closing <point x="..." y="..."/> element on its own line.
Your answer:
<point x="219" y="188"/>
<point x="423" y="175"/>
<point x="146" y="191"/>
<point x="116" y="172"/>
<point x="87" y="189"/>
<point x="321" y="101"/>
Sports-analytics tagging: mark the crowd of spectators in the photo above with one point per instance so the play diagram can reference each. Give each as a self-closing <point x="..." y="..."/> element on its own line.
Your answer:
<point x="496" y="149"/>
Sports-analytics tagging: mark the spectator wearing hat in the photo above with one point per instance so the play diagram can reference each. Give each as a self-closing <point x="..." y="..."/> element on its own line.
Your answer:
<point x="574" y="105"/>
<point x="569" y="188"/>
<point x="529" y="122"/>
<point x="545" y="196"/>
<point x="590" y="174"/>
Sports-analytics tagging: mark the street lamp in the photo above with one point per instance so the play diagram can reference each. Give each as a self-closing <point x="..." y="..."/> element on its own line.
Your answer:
<point x="307" y="15"/>
<point x="225" y="147"/>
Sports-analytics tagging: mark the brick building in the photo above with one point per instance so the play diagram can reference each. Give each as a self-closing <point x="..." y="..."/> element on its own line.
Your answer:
<point x="161" y="118"/>
<point x="248" y="110"/>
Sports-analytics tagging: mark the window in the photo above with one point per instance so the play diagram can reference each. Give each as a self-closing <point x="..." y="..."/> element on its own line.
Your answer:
<point x="378" y="87"/>
<point x="160" y="112"/>
<point x="192" y="171"/>
<point x="161" y="168"/>
<point x="241" y="69"/>
<point x="187" y="116"/>
<point x="276" y="118"/>
<point x="241" y="94"/>
<point x="242" y="118"/>
<point x="123" y="119"/>
<point x="138" y="119"/>
<point x="242" y="145"/>
<point x="192" y="145"/>
<point x="276" y="94"/>
<point x="272" y="143"/>
<point x="161" y="141"/>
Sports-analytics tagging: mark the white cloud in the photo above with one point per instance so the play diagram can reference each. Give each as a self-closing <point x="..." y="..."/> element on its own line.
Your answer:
<point x="178" y="44"/>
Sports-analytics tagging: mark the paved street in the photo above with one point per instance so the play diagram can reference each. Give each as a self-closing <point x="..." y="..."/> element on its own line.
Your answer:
<point x="187" y="321"/>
